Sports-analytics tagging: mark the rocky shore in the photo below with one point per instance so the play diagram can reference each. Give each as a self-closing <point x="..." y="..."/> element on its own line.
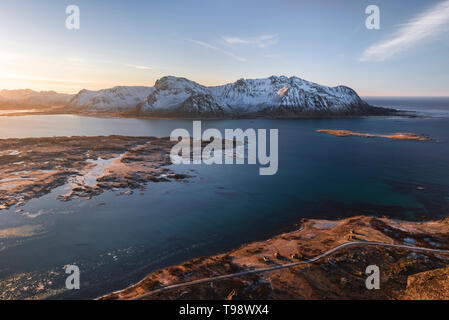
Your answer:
<point x="404" y="273"/>
<point x="372" y="111"/>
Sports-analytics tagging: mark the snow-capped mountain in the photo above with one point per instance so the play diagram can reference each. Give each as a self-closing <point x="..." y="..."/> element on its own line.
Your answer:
<point x="273" y="95"/>
<point x="117" y="99"/>
<point x="180" y="97"/>
<point x="27" y="98"/>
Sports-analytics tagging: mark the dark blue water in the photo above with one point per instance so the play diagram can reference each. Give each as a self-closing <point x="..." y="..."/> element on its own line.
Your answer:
<point x="222" y="206"/>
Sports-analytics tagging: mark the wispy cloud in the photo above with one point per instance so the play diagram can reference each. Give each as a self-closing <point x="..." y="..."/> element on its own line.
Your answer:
<point x="209" y="46"/>
<point x="82" y="61"/>
<point x="428" y="25"/>
<point x="138" y="67"/>
<point x="261" y="41"/>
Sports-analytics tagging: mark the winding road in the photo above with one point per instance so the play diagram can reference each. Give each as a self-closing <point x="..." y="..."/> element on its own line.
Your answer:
<point x="284" y="266"/>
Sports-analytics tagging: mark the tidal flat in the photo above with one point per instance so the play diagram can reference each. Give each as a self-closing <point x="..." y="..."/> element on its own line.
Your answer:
<point x="32" y="167"/>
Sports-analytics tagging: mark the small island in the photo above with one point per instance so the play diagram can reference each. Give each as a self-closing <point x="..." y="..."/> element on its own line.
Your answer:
<point x="395" y="136"/>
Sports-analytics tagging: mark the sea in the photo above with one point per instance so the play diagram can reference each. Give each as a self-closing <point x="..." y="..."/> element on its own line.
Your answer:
<point x="116" y="239"/>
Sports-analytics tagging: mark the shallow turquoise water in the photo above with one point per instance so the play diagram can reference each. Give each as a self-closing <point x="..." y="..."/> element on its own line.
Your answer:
<point x="222" y="206"/>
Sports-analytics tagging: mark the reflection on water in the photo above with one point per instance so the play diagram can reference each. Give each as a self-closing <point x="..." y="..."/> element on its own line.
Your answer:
<point x="117" y="238"/>
<point x="90" y="177"/>
<point x="4" y="112"/>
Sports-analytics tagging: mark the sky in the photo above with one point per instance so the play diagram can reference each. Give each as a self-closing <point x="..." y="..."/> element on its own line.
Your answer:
<point x="215" y="42"/>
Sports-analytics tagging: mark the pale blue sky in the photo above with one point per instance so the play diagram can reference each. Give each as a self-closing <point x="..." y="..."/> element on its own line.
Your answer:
<point x="214" y="42"/>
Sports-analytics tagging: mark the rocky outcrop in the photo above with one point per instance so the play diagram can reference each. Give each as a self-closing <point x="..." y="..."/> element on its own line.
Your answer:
<point x="428" y="285"/>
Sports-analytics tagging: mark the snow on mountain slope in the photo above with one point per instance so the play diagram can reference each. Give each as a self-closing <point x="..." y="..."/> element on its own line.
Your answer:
<point x="31" y="99"/>
<point x="282" y="94"/>
<point x="182" y="96"/>
<point x="273" y="95"/>
<point x="81" y="98"/>
<point x="120" y="98"/>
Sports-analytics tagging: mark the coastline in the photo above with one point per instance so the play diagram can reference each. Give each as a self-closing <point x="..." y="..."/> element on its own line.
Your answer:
<point x="405" y="273"/>
<point x="374" y="111"/>
<point x="33" y="167"/>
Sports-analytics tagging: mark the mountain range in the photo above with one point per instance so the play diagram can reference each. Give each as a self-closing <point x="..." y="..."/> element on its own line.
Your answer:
<point x="32" y="99"/>
<point x="180" y="97"/>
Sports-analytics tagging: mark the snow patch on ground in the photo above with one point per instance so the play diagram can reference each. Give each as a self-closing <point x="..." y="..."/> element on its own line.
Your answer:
<point x="409" y="241"/>
<point x="325" y="224"/>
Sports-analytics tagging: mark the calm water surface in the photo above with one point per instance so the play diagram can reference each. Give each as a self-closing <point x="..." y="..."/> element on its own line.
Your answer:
<point x="222" y="206"/>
